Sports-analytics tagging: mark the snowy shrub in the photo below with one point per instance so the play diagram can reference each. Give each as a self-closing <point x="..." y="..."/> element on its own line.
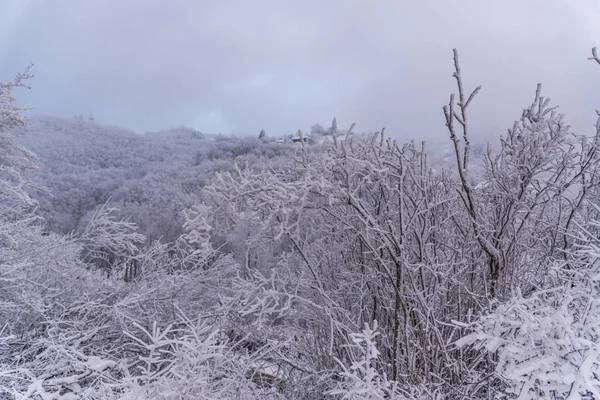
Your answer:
<point x="187" y="361"/>
<point x="361" y="380"/>
<point x="546" y="344"/>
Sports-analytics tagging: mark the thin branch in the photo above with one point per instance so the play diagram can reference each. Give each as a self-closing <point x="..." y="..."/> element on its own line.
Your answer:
<point x="594" y="56"/>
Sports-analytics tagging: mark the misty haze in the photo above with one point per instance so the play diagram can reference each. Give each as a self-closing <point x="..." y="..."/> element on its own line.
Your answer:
<point x="299" y="200"/>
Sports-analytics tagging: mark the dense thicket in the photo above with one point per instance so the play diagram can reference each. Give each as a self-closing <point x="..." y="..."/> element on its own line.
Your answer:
<point x="177" y="265"/>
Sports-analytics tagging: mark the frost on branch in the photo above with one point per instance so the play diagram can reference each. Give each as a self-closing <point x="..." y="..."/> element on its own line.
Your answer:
<point x="14" y="159"/>
<point x="537" y="180"/>
<point x="11" y="114"/>
<point x="197" y="229"/>
<point x="108" y="239"/>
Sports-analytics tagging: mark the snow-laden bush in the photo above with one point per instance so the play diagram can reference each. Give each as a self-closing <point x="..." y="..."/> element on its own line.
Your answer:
<point x="186" y="360"/>
<point x="362" y="380"/>
<point x="546" y="344"/>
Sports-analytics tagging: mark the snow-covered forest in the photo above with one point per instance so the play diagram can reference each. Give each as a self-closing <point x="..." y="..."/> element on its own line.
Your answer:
<point x="330" y="264"/>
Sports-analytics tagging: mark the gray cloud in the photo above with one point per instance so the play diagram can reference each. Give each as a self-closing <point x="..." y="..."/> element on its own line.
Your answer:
<point x="239" y="66"/>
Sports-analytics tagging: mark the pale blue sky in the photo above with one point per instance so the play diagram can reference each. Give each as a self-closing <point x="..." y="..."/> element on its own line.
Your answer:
<point x="239" y="66"/>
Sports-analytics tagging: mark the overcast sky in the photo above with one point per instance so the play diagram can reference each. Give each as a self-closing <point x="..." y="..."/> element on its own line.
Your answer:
<point x="239" y="66"/>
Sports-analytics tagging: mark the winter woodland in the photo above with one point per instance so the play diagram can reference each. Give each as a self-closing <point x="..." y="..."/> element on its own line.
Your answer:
<point x="330" y="265"/>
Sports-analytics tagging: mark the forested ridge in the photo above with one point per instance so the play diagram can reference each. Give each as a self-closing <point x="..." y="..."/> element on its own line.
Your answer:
<point x="334" y="264"/>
